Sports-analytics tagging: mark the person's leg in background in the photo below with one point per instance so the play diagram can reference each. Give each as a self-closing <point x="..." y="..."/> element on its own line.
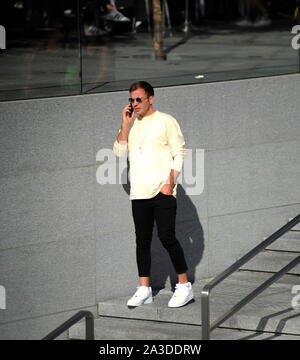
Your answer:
<point x="262" y="14"/>
<point x="245" y="6"/>
<point x="255" y="14"/>
<point x="112" y="13"/>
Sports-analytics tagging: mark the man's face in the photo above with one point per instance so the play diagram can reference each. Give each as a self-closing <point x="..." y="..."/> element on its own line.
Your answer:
<point x="141" y="108"/>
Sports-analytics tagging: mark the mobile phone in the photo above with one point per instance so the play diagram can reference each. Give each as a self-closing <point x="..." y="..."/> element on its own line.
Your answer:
<point x="130" y="110"/>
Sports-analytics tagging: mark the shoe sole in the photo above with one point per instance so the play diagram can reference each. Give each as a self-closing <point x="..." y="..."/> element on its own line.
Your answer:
<point x="185" y="304"/>
<point x="147" y="301"/>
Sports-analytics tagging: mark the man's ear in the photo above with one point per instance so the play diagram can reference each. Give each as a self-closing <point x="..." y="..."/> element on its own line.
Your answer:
<point x="151" y="99"/>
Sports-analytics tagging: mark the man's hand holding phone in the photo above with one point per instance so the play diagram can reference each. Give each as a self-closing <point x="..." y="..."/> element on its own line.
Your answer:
<point x="127" y="120"/>
<point x="130" y="110"/>
<point x="128" y="114"/>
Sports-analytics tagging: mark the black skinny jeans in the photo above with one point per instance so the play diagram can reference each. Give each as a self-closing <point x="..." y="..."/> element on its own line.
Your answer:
<point x="162" y="208"/>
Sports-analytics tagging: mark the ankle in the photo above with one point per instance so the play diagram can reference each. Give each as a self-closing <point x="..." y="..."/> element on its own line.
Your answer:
<point x="144" y="281"/>
<point x="183" y="278"/>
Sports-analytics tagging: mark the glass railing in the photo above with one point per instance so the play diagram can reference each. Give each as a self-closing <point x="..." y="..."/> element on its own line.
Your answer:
<point x="69" y="47"/>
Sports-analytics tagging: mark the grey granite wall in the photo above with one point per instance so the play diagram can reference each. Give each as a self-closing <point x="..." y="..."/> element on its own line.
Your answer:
<point x="67" y="241"/>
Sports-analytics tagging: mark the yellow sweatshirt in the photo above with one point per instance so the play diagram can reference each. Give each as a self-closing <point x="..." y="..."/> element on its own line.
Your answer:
<point x="155" y="146"/>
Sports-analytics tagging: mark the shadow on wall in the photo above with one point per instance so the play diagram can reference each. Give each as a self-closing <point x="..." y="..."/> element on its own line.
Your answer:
<point x="190" y="234"/>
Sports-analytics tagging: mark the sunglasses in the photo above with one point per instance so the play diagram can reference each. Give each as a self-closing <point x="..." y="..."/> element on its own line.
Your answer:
<point x="138" y="100"/>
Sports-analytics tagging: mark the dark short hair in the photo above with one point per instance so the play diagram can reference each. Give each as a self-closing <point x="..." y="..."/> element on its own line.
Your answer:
<point x="142" y="85"/>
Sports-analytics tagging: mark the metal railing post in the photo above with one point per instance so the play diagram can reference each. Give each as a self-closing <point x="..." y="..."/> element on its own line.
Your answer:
<point x="205" y="313"/>
<point x="89" y="327"/>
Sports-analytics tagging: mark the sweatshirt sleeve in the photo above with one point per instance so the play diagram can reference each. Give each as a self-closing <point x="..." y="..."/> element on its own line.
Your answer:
<point x="176" y="143"/>
<point x="120" y="148"/>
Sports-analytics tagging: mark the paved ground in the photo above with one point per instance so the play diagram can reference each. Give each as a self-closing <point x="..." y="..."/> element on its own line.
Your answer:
<point x="38" y="68"/>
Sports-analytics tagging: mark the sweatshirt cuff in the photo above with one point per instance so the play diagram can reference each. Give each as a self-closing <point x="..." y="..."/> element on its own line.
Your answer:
<point x="120" y="148"/>
<point x="177" y="163"/>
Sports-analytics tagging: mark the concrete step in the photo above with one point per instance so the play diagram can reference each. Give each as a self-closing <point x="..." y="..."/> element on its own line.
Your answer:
<point x="295" y="228"/>
<point x="271" y="311"/>
<point x="294" y="233"/>
<point x="128" y="329"/>
<point x="272" y="261"/>
<point x="286" y="244"/>
<point x="257" y="278"/>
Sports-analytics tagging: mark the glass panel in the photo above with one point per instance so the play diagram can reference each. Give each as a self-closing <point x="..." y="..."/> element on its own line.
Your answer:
<point x="41" y="58"/>
<point x="204" y="41"/>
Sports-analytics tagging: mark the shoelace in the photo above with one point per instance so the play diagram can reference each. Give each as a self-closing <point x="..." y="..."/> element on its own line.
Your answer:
<point x="139" y="288"/>
<point x="178" y="288"/>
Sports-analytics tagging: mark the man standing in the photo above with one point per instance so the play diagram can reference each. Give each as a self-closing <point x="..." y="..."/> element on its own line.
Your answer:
<point x="155" y="146"/>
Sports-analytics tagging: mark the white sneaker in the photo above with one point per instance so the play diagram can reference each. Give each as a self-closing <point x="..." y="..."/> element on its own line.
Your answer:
<point x="91" y="30"/>
<point x="143" y="295"/>
<point x="116" y="16"/>
<point x="182" y="295"/>
<point x="138" y="23"/>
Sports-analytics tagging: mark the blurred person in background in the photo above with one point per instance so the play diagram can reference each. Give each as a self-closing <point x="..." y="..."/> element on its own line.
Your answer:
<point x="255" y="14"/>
<point x="99" y="16"/>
